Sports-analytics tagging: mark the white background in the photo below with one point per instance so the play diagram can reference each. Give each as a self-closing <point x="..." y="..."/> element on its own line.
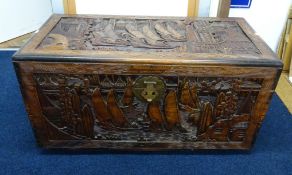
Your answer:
<point x="133" y="7"/>
<point x="18" y="17"/>
<point x="267" y="17"/>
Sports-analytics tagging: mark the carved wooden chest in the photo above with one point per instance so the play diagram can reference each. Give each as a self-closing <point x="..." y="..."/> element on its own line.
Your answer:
<point x="146" y="83"/>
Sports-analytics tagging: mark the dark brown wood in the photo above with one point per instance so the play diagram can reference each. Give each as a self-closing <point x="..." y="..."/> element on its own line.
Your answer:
<point x="146" y="83"/>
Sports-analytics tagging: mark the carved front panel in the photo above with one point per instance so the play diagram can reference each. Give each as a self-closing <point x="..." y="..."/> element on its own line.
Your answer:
<point x="152" y="108"/>
<point x="151" y="35"/>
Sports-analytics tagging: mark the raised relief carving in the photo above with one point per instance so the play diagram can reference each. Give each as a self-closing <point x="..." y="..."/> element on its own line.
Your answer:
<point x="207" y="36"/>
<point x="112" y="107"/>
<point x="118" y="117"/>
<point x="100" y="108"/>
<point x="155" y="115"/>
<point x="55" y="42"/>
<point x="153" y="35"/>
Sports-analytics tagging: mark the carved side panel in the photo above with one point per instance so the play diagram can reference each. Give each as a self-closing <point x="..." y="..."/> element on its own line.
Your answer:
<point x="148" y="108"/>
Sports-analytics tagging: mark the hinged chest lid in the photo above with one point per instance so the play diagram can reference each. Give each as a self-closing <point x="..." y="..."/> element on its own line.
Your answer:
<point x="153" y="40"/>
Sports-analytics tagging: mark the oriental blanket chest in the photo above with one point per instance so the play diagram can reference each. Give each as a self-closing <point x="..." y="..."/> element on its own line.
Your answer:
<point x="146" y="83"/>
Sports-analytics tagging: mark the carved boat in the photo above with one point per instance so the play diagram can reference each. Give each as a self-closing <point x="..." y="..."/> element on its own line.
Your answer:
<point x="171" y="110"/>
<point x="98" y="39"/>
<point x="112" y="36"/>
<point x="186" y="97"/>
<point x="171" y="35"/>
<point x="118" y="117"/>
<point x="206" y="118"/>
<point x="108" y="38"/>
<point x="138" y="39"/>
<point x="102" y="114"/>
<point x="87" y="122"/>
<point x="195" y="97"/>
<point x="150" y="34"/>
<point x="219" y="109"/>
<point x="128" y="96"/>
<point x="134" y="31"/>
<point x="54" y="130"/>
<point x="155" y="114"/>
<point x="174" y="33"/>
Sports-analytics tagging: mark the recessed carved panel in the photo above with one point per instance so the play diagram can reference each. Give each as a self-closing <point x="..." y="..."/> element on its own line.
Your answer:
<point x="154" y="35"/>
<point x="105" y="107"/>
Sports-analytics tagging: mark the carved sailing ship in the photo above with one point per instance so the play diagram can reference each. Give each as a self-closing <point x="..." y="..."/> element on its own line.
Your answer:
<point x="155" y="115"/>
<point x="180" y="111"/>
<point x="171" y="110"/>
<point x="128" y="96"/>
<point x="101" y="111"/>
<point x="118" y="117"/>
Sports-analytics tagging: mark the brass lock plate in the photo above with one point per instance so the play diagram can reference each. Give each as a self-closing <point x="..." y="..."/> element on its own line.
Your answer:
<point x="149" y="88"/>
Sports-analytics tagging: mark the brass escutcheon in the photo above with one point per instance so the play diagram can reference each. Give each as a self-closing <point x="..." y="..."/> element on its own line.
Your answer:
<point x="149" y="88"/>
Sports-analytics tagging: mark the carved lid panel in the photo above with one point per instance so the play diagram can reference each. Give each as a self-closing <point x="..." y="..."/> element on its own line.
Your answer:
<point x="154" y="35"/>
<point x="147" y="37"/>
